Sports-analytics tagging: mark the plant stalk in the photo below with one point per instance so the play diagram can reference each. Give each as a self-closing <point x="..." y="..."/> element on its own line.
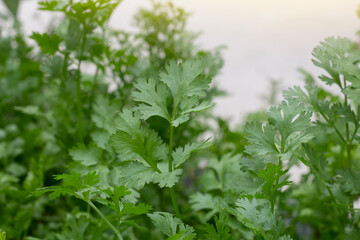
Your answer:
<point x="348" y="140"/>
<point x="117" y="233"/>
<point x="172" y="194"/>
<point x="80" y="126"/>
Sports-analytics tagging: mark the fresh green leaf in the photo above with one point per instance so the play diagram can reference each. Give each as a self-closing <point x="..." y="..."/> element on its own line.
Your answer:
<point x="49" y="44"/>
<point x="152" y="95"/>
<point x="170" y="225"/>
<point x="137" y="139"/>
<point x="220" y="231"/>
<point x="87" y="156"/>
<point x="181" y="154"/>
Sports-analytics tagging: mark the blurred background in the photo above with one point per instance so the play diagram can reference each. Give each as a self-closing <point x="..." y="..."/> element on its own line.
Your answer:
<point x="264" y="39"/>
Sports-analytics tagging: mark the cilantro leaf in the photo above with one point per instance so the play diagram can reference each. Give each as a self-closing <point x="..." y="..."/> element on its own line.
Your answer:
<point x="135" y="210"/>
<point x="200" y="201"/>
<point x="87" y="156"/>
<point x="220" y="231"/>
<point x="286" y="131"/>
<point x="255" y="214"/>
<point x="153" y="96"/>
<point x="103" y="114"/>
<point x="136" y="175"/>
<point x="73" y="185"/>
<point x="188" y="85"/>
<point x="329" y="54"/>
<point x="133" y="137"/>
<point x="49" y="44"/>
<point x="292" y="121"/>
<point x="181" y="154"/>
<point x="101" y="139"/>
<point x="261" y="139"/>
<point x="274" y="178"/>
<point x="171" y="226"/>
<point x="167" y="179"/>
<point x="53" y="5"/>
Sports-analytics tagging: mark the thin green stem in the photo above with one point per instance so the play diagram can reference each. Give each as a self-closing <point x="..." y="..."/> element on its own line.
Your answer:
<point x="117" y="233"/>
<point x="78" y="91"/>
<point x="348" y="141"/>
<point x="331" y="124"/>
<point x="282" y="148"/>
<point x="170" y="147"/>
<point x="354" y="133"/>
<point x="172" y="194"/>
<point x="173" y="200"/>
<point x="348" y="162"/>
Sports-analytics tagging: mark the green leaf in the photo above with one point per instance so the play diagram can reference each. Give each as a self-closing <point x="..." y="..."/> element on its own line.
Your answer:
<point x="184" y="79"/>
<point x="309" y="98"/>
<point x="137" y="175"/>
<point x="185" y="115"/>
<point x="201" y="201"/>
<point x="87" y="156"/>
<point x="73" y="179"/>
<point x="225" y="173"/>
<point x="255" y="214"/>
<point x="90" y="179"/>
<point x="75" y="226"/>
<point x="55" y="192"/>
<point x="261" y="139"/>
<point x="204" y="105"/>
<point x="104" y="113"/>
<point x="73" y="185"/>
<point x="117" y="193"/>
<point x="206" y="202"/>
<point x="181" y="154"/>
<point x="188" y="85"/>
<point x="53" y="5"/>
<point x="167" y="179"/>
<point x="329" y="54"/>
<point x="220" y="231"/>
<point x="134" y="210"/>
<point x="49" y="44"/>
<point x="136" y="139"/>
<point x="290" y="118"/>
<point x="286" y="131"/>
<point x="30" y="110"/>
<point x="349" y="181"/>
<point x="153" y="97"/>
<point x="101" y="139"/>
<point x="52" y="67"/>
<point x="274" y="178"/>
<point x="170" y="225"/>
<point x="353" y="92"/>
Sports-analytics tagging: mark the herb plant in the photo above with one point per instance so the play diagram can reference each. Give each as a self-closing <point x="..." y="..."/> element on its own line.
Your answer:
<point x="103" y="136"/>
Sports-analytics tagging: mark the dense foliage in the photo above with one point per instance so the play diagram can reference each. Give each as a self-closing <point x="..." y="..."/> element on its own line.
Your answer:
<point x="103" y="136"/>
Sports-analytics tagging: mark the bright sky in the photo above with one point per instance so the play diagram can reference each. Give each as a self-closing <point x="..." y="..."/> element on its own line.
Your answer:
<point x="264" y="38"/>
